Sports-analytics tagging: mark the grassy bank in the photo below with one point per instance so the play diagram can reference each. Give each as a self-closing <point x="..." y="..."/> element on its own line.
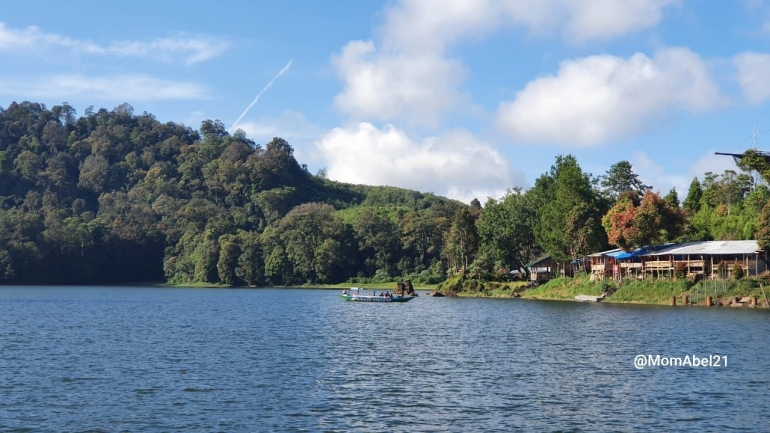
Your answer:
<point x="564" y="288"/>
<point x="653" y="292"/>
<point x="466" y="287"/>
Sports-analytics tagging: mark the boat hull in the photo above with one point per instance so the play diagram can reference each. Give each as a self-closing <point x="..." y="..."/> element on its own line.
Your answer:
<point x="376" y="298"/>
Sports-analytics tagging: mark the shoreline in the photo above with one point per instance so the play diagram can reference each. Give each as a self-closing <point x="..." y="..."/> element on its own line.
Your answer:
<point x="725" y="293"/>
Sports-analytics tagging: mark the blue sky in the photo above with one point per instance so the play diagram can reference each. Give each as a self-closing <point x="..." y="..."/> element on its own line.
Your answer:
<point x="461" y="98"/>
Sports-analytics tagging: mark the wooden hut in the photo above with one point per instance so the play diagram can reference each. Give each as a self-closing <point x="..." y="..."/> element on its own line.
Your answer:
<point x="706" y="259"/>
<point x="545" y="267"/>
<point x="603" y="264"/>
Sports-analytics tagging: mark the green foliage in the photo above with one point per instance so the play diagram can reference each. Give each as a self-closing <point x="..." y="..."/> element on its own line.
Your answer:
<point x="567" y="204"/>
<point x="737" y="271"/>
<point x="505" y="228"/>
<point x="113" y="196"/>
<point x="763" y="234"/>
<point x="694" y="194"/>
<point x="116" y="197"/>
<point x="753" y="160"/>
<point x="619" y="179"/>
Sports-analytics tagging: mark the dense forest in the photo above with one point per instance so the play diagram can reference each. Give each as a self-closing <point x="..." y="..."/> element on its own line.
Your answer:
<point x="113" y="197"/>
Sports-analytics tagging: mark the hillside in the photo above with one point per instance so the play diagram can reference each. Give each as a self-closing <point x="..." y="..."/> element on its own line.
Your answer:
<point x="115" y="197"/>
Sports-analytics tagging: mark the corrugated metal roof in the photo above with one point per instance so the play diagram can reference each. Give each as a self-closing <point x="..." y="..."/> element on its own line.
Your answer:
<point x="605" y="253"/>
<point x="710" y="247"/>
<point x="622" y="255"/>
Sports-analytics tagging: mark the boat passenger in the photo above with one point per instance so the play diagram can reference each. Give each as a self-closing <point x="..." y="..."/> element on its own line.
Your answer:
<point x="345" y="292"/>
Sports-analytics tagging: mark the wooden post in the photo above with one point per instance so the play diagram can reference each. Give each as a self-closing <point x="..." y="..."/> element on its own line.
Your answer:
<point x="673" y="301"/>
<point x="753" y="301"/>
<point x="708" y="301"/>
<point x="685" y="300"/>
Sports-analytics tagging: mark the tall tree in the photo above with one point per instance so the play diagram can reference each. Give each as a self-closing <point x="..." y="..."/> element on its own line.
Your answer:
<point x="763" y="234"/>
<point x="694" y="194"/>
<point x="462" y="240"/>
<point x="505" y="228"/>
<point x="621" y="178"/>
<point x="568" y="202"/>
<point x="652" y="222"/>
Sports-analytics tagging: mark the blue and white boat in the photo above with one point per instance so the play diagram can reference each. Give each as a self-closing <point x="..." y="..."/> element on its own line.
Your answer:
<point x="358" y="294"/>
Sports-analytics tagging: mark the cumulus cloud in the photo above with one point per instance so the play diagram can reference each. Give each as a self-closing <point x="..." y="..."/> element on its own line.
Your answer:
<point x="600" y="98"/>
<point x="116" y="88"/>
<point x="455" y="164"/>
<point x="191" y="49"/>
<point x="753" y="70"/>
<point x="407" y="74"/>
<point x="416" y="88"/>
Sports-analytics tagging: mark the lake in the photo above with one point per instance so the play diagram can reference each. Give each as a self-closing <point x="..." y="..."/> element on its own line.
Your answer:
<point x="141" y="359"/>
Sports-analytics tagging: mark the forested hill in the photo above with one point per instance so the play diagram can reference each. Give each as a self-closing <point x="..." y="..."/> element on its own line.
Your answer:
<point x="112" y="197"/>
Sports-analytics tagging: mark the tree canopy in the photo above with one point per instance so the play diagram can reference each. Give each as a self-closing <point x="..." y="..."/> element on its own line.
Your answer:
<point x="114" y="196"/>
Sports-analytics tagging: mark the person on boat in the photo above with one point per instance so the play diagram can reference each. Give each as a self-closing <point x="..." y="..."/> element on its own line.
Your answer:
<point x="345" y="292"/>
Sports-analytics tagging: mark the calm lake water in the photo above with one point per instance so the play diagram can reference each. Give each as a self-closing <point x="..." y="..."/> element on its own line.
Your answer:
<point x="161" y="359"/>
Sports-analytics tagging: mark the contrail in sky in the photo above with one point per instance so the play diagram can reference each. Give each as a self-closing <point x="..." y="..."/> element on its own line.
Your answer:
<point x="285" y="68"/>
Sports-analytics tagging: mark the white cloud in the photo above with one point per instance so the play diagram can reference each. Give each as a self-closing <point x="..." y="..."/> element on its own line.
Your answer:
<point x="290" y="125"/>
<point x="603" y="19"/>
<point x="429" y="25"/>
<point x="118" y="88"/>
<point x="455" y="164"/>
<point x="753" y="70"/>
<point x="191" y="49"/>
<point x="416" y="88"/>
<point x="407" y="75"/>
<point x="600" y="98"/>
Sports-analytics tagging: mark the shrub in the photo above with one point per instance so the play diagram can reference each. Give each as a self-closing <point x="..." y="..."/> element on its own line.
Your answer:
<point x="737" y="271"/>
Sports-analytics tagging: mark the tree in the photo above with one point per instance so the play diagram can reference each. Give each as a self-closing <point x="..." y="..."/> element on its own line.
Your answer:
<point x="251" y="266"/>
<point x="672" y="199"/>
<point x="763" y="235"/>
<point x="753" y="160"/>
<point x="505" y="229"/>
<point x="727" y="189"/>
<point x="378" y="241"/>
<point x="621" y="178"/>
<point x="462" y="240"/>
<point x="566" y="202"/>
<point x="229" y="253"/>
<point x="652" y="222"/>
<point x="694" y="194"/>
<point x="619" y="224"/>
<point x="310" y="235"/>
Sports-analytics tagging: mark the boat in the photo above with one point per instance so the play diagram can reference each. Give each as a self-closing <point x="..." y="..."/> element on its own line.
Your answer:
<point x="358" y="294"/>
